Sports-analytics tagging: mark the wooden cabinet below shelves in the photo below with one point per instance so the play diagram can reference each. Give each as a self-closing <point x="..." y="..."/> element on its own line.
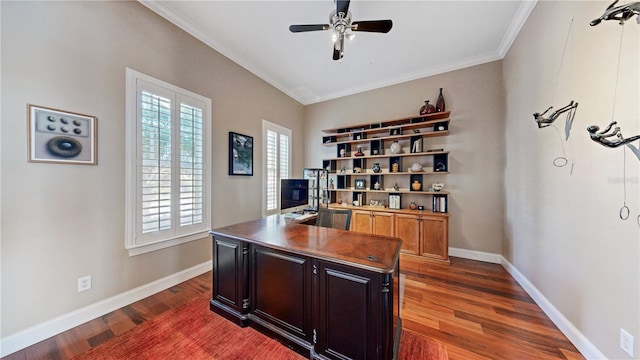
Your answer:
<point x="373" y="222"/>
<point x="409" y="231"/>
<point x="424" y="235"/>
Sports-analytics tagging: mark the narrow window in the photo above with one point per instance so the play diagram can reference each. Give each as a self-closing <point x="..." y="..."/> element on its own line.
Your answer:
<point x="168" y="181"/>
<point x="277" y="164"/>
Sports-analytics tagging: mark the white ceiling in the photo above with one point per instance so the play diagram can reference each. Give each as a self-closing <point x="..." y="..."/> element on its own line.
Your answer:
<point x="427" y="38"/>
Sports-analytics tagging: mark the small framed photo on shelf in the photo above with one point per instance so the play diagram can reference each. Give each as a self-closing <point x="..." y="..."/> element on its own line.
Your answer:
<point x="360" y="184"/>
<point x="394" y="201"/>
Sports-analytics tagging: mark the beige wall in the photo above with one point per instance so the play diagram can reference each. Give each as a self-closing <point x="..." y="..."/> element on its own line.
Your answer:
<point x="61" y="222"/>
<point x="562" y="227"/>
<point x="476" y="160"/>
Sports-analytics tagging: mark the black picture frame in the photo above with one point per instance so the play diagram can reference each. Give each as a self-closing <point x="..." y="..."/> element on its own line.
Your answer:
<point x="240" y="154"/>
<point x="360" y="184"/>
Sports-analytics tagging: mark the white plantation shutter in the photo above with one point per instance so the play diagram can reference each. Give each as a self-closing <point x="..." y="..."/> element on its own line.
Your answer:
<point x="284" y="156"/>
<point x="277" y="164"/>
<point x="191" y="165"/>
<point x="272" y="170"/>
<point x="155" y="155"/>
<point x="168" y="180"/>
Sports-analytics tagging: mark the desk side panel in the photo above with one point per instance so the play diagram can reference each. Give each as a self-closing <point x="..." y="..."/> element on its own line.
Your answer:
<point x="230" y="279"/>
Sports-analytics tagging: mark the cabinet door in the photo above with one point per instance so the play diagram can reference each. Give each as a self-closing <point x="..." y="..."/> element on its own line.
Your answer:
<point x="435" y="237"/>
<point x="408" y="229"/>
<point x="281" y="290"/>
<point x="230" y="296"/>
<point x="349" y="303"/>
<point x="361" y="221"/>
<point x="383" y="223"/>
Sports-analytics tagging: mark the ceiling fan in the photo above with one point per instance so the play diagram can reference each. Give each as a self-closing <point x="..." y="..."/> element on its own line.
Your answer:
<point x="340" y="22"/>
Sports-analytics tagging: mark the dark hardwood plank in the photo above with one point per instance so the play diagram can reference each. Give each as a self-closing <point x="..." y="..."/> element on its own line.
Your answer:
<point x="477" y="310"/>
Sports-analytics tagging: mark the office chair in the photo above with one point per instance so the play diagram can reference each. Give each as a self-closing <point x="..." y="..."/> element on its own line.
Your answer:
<point x="334" y="218"/>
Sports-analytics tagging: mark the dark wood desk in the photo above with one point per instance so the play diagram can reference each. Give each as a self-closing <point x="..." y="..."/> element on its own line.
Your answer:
<point x="326" y="293"/>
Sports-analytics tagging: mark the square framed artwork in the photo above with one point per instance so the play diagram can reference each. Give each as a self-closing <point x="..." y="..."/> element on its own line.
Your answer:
<point x="240" y="154"/>
<point x="58" y="136"/>
<point x="360" y="184"/>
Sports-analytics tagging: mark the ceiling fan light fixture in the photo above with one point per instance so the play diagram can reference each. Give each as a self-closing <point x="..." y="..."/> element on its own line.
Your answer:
<point x="342" y="26"/>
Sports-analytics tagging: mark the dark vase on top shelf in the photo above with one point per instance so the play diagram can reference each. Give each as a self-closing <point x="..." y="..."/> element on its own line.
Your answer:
<point x="427" y="108"/>
<point x="440" y="103"/>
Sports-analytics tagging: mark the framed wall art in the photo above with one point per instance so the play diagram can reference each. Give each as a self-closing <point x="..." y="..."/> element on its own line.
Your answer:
<point x="58" y="136"/>
<point x="240" y="154"/>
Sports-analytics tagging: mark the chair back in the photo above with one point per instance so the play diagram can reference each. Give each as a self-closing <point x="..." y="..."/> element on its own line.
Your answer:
<point x="334" y="218"/>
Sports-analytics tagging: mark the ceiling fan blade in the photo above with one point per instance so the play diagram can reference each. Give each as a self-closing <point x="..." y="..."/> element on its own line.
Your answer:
<point x="382" y="26"/>
<point x="310" y="27"/>
<point x="342" y="6"/>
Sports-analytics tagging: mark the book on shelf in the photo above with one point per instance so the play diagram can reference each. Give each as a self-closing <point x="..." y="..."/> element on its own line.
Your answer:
<point x="439" y="204"/>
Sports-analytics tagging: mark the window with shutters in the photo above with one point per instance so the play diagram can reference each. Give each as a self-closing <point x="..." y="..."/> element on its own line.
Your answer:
<point x="168" y="176"/>
<point x="276" y="162"/>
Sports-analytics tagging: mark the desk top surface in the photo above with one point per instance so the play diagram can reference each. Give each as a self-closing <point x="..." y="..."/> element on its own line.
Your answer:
<point x="370" y="252"/>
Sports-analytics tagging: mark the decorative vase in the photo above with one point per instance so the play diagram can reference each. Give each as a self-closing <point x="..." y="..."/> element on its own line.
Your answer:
<point x="395" y="148"/>
<point x="343" y="152"/>
<point x="376" y="168"/>
<point x="416" y="167"/>
<point x="376" y="186"/>
<point x="440" y="103"/>
<point x="427" y="108"/>
<point x="416" y="185"/>
<point x="413" y="206"/>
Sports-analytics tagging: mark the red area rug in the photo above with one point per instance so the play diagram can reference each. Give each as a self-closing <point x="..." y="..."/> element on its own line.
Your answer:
<point x="192" y="331"/>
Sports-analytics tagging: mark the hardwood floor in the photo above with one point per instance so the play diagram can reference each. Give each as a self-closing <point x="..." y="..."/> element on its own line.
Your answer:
<point x="477" y="310"/>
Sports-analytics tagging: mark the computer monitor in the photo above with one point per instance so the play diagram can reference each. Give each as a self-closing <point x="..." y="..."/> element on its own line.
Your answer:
<point x="294" y="195"/>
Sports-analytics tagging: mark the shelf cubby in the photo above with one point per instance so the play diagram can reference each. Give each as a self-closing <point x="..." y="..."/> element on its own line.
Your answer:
<point x="412" y="179"/>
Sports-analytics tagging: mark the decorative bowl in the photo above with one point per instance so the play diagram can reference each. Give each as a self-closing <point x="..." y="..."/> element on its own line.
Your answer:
<point x="437" y="186"/>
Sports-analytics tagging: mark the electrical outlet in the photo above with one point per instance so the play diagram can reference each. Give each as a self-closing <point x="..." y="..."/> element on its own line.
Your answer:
<point x="84" y="283"/>
<point x="626" y="342"/>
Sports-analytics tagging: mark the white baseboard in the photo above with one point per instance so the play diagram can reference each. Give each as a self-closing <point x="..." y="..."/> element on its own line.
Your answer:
<point x="49" y="328"/>
<point x="476" y="255"/>
<point x="586" y="348"/>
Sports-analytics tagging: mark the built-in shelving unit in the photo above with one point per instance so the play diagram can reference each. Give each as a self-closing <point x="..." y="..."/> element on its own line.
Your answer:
<point x="373" y="172"/>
